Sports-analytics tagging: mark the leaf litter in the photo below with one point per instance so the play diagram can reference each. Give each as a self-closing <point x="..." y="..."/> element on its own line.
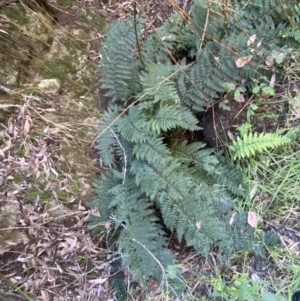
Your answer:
<point x="46" y="248"/>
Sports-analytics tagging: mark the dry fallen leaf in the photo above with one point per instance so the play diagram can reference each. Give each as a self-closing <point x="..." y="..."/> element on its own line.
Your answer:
<point x="198" y="225"/>
<point x="26" y="127"/>
<point x="251" y="40"/>
<point x="230" y="135"/>
<point x="253" y="192"/>
<point x="239" y="98"/>
<point x="253" y="219"/>
<point x="269" y="61"/>
<point x="80" y="207"/>
<point x="95" y="212"/>
<point x="232" y="218"/>
<point x="98" y="281"/>
<point x="107" y="225"/>
<point x="272" y="81"/>
<point x="242" y="61"/>
<point x="259" y="43"/>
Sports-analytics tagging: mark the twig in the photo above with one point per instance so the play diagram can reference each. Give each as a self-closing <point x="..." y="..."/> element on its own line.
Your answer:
<point x="125" y="157"/>
<point x="205" y="27"/>
<point x="135" y="31"/>
<point x="241" y="110"/>
<point x="158" y="262"/>
<point x="215" y="127"/>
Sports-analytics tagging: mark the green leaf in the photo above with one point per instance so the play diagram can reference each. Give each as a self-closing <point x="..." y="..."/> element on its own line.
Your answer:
<point x="256" y="89"/>
<point x="269" y="91"/>
<point x="172" y="270"/>
<point x="267" y="296"/>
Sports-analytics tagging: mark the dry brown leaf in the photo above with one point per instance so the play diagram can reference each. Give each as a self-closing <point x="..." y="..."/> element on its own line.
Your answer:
<point x="80" y="207"/>
<point x="230" y="135"/>
<point x="251" y="40"/>
<point x="259" y="43"/>
<point x="242" y="61"/>
<point x="253" y="192"/>
<point x="272" y="81"/>
<point x="232" y="218"/>
<point x="253" y="219"/>
<point x="269" y="61"/>
<point x="26" y="128"/>
<point x="107" y="225"/>
<point x="198" y="225"/>
<point x="95" y="212"/>
<point x="239" y="98"/>
<point x="98" y="281"/>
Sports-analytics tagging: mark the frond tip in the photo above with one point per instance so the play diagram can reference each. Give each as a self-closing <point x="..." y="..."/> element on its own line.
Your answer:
<point x="250" y="143"/>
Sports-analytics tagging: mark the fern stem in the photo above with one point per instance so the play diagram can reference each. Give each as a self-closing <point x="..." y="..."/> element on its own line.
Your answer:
<point x="136" y="34"/>
<point x="125" y="157"/>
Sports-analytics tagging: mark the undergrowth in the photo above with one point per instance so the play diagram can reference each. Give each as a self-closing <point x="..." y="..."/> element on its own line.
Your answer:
<point x="159" y="179"/>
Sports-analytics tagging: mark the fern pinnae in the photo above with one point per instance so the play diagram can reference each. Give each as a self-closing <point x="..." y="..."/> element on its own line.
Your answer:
<point x="250" y="143"/>
<point x="170" y="117"/>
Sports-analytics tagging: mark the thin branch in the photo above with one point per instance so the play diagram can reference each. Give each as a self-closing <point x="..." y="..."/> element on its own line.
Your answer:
<point x="158" y="262"/>
<point x="125" y="156"/>
<point x="135" y="31"/>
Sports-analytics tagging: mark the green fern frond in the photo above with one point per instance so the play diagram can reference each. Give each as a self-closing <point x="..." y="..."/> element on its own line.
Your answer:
<point x="191" y="188"/>
<point x="171" y="117"/>
<point x="142" y="240"/>
<point x="109" y="142"/>
<point x="158" y="86"/>
<point x="102" y="198"/>
<point x="117" y="61"/>
<point x="133" y="126"/>
<point x="228" y="176"/>
<point x="250" y="144"/>
<point x="152" y="150"/>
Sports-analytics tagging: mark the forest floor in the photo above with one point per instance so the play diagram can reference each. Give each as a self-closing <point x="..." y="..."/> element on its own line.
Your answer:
<point x="47" y="251"/>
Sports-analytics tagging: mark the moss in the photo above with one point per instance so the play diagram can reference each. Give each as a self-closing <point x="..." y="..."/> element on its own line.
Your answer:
<point x="65" y="2"/>
<point x="18" y="178"/>
<point x="95" y="19"/>
<point x="45" y="196"/>
<point x="32" y="193"/>
<point x="62" y="194"/>
<point x="17" y="15"/>
<point x="20" y="150"/>
<point x="61" y="68"/>
<point x="41" y="180"/>
<point x="73" y="187"/>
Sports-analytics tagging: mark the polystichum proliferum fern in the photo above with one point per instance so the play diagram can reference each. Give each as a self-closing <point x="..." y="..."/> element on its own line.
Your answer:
<point x="156" y="177"/>
<point x="252" y="143"/>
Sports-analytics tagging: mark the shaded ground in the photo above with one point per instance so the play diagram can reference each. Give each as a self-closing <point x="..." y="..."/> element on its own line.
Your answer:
<point x="269" y="114"/>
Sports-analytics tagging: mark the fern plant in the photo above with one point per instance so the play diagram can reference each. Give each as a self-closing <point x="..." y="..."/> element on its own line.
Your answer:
<point x="157" y="178"/>
<point x="251" y="143"/>
<point x="232" y="37"/>
<point x="119" y="76"/>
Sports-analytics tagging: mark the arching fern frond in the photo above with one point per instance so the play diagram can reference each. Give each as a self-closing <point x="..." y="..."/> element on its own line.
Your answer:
<point x="110" y="143"/>
<point x="230" y="177"/>
<point x="171" y="117"/>
<point x="117" y="61"/>
<point x="133" y="126"/>
<point x="250" y="143"/>
<point x="151" y="151"/>
<point x="142" y="240"/>
<point x="102" y="198"/>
